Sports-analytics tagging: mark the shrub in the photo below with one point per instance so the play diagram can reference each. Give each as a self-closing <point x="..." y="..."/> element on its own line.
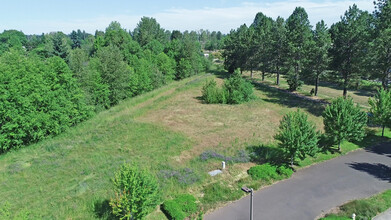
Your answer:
<point x="181" y="207"/>
<point x="343" y="120"/>
<point x="298" y="137"/>
<point x="212" y="94"/>
<point x="285" y="171"/>
<point x="173" y="210"/>
<point x="237" y="89"/>
<point x="263" y="172"/>
<point x="137" y="193"/>
<point x="294" y="82"/>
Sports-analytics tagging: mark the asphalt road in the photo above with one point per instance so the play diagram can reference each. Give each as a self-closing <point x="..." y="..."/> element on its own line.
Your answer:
<point x="317" y="189"/>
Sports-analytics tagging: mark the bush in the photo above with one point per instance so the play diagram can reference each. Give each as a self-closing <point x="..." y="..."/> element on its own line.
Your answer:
<point x="285" y="171"/>
<point x="343" y="120"/>
<point x="294" y="82"/>
<point x="181" y="207"/>
<point x="263" y="172"/>
<point x="298" y="137"/>
<point x="212" y="94"/>
<point x="137" y="193"/>
<point x="173" y="210"/>
<point x="237" y="89"/>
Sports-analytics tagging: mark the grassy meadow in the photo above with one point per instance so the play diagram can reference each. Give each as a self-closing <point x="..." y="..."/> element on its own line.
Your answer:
<point x="164" y="131"/>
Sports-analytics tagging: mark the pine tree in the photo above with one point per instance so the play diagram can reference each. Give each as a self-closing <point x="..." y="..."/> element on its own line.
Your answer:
<point x="344" y="121"/>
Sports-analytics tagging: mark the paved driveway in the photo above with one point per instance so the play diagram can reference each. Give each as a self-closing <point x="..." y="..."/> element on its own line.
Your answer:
<point x="317" y="189"/>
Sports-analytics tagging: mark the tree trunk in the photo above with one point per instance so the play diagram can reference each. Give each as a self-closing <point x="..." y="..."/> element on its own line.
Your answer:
<point x="278" y="76"/>
<point x="263" y="76"/>
<point x="382" y="132"/>
<point x="316" y="84"/>
<point x="384" y="80"/>
<point x="339" y="146"/>
<point x="251" y="73"/>
<point x="345" y="86"/>
<point x="292" y="162"/>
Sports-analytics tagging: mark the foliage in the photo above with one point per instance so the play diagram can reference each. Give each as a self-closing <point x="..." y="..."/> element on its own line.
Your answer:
<point x="293" y="81"/>
<point x="212" y="94"/>
<point x="284" y="171"/>
<point x="181" y="207"/>
<point x="344" y="121"/>
<point x="237" y="90"/>
<point x="298" y="137"/>
<point x="136" y="193"/>
<point x="38" y="99"/>
<point x="381" y="108"/>
<point x="263" y="172"/>
<point x="350" y="38"/>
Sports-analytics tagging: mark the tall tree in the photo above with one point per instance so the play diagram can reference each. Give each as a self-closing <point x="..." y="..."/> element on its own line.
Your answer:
<point x="380" y="56"/>
<point x="148" y="29"/>
<point x="319" y="59"/>
<point x="279" y="47"/>
<point x="350" y="43"/>
<point x="260" y="45"/>
<point x="381" y="108"/>
<point x="299" y="36"/>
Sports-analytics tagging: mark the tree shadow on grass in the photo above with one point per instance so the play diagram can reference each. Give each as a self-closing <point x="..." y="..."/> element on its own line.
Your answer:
<point x="378" y="170"/>
<point x="266" y="154"/>
<point x="283" y="97"/>
<point x="103" y="210"/>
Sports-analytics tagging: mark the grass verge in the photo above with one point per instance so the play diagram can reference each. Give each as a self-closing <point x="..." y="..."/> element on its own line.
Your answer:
<point x="363" y="208"/>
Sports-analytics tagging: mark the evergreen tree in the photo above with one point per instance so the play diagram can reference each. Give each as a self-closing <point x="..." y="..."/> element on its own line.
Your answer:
<point x="298" y="137"/>
<point x="344" y="121"/>
<point x="350" y="43"/>
<point x="299" y="36"/>
<point x="381" y="108"/>
<point x="319" y="59"/>
<point x="279" y="48"/>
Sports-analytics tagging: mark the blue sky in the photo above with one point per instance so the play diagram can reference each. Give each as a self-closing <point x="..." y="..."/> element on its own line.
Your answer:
<point x="43" y="16"/>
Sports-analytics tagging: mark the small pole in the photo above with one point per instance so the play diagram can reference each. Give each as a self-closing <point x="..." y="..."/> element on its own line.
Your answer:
<point x="354" y="216"/>
<point x="223" y="165"/>
<point x="251" y="204"/>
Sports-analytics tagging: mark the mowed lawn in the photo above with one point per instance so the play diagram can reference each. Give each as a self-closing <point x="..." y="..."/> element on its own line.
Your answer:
<point x="69" y="176"/>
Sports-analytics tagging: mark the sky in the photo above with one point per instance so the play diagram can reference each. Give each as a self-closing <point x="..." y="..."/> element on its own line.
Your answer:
<point x="44" y="16"/>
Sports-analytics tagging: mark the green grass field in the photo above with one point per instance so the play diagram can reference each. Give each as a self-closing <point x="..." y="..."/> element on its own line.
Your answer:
<point x="164" y="131"/>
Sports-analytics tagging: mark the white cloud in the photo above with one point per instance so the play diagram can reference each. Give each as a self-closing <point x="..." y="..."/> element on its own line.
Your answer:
<point x="222" y="19"/>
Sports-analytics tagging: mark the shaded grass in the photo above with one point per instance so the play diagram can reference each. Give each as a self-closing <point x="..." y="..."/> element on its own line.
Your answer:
<point x="326" y="91"/>
<point x="363" y="208"/>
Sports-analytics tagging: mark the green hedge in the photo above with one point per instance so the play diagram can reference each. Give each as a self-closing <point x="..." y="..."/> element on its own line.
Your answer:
<point x="181" y="207"/>
<point x="268" y="172"/>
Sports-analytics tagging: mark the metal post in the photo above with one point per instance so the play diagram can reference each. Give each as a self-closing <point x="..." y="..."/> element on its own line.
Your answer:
<point x="251" y="204"/>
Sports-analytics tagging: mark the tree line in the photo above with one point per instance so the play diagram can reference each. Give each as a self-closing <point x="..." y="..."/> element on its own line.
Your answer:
<point x="356" y="47"/>
<point x="52" y="81"/>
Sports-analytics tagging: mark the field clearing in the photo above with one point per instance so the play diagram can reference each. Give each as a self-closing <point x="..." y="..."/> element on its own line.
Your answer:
<point x="68" y="176"/>
<point x="326" y="91"/>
